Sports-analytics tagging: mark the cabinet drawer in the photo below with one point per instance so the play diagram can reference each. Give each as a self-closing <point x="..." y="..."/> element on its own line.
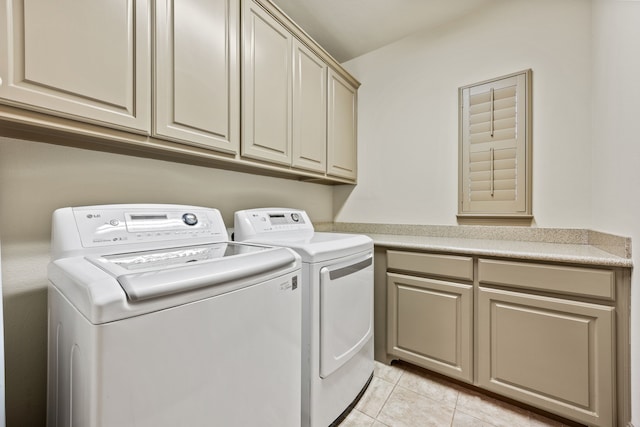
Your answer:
<point x="455" y="267"/>
<point x="558" y="279"/>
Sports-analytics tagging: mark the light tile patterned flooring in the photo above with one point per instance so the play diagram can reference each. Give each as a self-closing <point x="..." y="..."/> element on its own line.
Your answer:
<point x="404" y="395"/>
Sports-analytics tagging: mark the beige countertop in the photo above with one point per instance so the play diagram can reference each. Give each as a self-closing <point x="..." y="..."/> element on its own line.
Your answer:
<point x="539" y="251"/>
<point x="578" y="246"/>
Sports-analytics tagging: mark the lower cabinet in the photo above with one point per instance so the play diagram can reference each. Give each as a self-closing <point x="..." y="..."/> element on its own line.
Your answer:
<point x="552" y="336"/>
<point x="430" y="323"/>
<point x="554" y="354"/>
<point x="430" y="311"/>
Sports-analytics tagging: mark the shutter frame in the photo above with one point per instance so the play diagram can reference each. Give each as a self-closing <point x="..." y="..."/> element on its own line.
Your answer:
<point x="495" y="123"/>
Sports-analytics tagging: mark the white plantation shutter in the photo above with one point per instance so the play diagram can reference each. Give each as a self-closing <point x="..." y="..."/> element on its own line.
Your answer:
<point x="494" y="155"/>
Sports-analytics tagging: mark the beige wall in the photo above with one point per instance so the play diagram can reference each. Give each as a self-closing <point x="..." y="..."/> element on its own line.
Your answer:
<point x="616" y="144"/>
<point x="36" y="178"/>
<point x="586" y="133"/>
<point x="408" y="112"/>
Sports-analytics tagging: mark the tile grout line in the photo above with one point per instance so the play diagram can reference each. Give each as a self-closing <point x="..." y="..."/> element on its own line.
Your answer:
<point x="395" y="384"/>
<point x="455" y="408"/>
<point x="530" y="415"/>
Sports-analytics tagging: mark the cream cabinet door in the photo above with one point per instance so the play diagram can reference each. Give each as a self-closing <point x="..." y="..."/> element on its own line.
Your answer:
<point x="430" y="324"/>
<point x="341" y="141"/>
<point x="196" y="73"/>
<point x="266" y="86"/>
<point x="309" y="110"/>
<point x="88" y="60"/>
<point x="554" y="354"/>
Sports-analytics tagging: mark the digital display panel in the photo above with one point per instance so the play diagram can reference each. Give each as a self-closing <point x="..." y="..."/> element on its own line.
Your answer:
<point x="277" y="219"/>
<point x="148" y="217"/>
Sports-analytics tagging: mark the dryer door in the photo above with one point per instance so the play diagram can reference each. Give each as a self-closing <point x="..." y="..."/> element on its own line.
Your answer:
<point x="346" y="310"/>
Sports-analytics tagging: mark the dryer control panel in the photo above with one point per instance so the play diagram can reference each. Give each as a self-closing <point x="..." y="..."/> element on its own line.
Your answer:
<point x="253" y="223"/>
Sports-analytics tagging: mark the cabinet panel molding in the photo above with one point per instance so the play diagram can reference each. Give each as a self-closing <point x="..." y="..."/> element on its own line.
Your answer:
<point x="429" y="324"/>
<point x="554" y="354"/>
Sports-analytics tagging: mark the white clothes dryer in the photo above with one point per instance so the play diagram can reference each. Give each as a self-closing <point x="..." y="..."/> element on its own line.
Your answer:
<point x="155" y="319"/>
<point x="337" y="307"/>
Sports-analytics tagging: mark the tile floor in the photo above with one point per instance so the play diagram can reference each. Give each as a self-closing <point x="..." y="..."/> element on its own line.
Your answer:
<point x="404" y="395"/>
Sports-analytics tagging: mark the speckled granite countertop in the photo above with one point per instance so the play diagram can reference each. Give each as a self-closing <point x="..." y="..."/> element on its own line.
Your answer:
<point x="577" y="246"/>
<point x="539" y="251"/>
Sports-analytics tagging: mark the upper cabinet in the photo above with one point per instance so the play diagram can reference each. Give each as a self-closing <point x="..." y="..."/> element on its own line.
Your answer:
<point x="196" y="76"/>
<point x="298" y="105"/>
<point x="309" y="110"/>
<point x="266" y="86"/>
<point x="87" y="60"/>
<point x="342" y="142"/>
<point x="233" y="83"/>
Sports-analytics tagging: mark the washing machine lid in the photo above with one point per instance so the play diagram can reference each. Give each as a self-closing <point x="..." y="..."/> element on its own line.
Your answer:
<point x="115" y="287"/>
<point x="117" y="261"/>
<point x="157" y="273"/>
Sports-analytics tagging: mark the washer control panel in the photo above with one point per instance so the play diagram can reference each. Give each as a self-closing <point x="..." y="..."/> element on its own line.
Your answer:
<point x="104" y="226"/>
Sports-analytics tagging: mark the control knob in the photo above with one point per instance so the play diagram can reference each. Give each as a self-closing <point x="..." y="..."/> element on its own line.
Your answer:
<point x="190" y="219"/>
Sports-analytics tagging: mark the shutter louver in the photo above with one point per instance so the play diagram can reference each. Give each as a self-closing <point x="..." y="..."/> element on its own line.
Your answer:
<point x="503" y="175"/>
<point x="493" y="176"/>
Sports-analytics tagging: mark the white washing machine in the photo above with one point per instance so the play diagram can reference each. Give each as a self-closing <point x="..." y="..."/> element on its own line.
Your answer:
<point x="155" y="319"/>
<point x="337" y="307"/>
